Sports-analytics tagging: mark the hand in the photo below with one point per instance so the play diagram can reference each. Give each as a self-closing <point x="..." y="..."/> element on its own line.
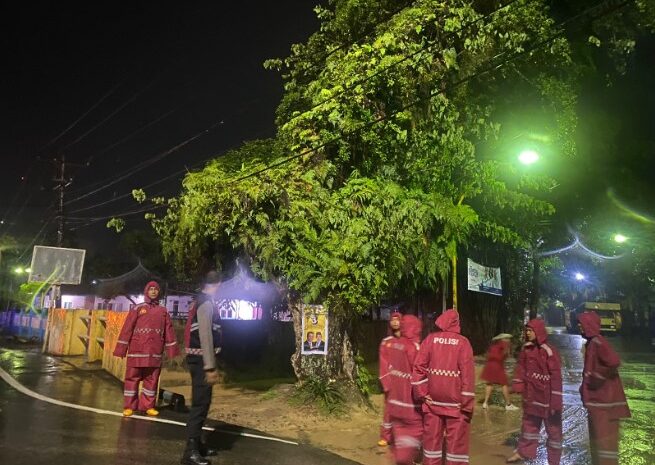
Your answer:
<point x="427" y="399"/>
<point x="212" y="377"/>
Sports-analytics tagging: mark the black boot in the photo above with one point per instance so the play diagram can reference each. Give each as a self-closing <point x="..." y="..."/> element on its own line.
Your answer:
<point x="192" y="454"/>
<point x="207" y="451"/>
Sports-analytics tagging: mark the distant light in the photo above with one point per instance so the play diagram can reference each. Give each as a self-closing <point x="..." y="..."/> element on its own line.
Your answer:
<point x="528" y="157"/>
<point x="620" y="238"/>
<point x="18" y="270"/>
<point x="95" y="281"/>
<point x="579" y="277"/>
<point x="28" y="270"/>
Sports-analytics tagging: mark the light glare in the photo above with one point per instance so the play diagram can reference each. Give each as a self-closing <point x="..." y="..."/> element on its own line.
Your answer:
<point x="528" y="157"/>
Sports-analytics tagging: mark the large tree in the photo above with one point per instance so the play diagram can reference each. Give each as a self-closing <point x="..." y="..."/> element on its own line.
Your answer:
<point x="393" y="152"/>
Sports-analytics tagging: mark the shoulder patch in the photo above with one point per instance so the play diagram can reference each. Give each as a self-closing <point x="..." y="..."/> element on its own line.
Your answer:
<point x="548" y="350"/>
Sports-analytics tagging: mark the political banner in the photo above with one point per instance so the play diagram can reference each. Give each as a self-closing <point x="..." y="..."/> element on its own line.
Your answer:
<point x="314" y="330"/>
<point x="484" y="279"/>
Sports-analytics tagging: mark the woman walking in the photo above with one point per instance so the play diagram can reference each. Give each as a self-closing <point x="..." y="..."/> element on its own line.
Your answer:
<point x="494" y="370"/>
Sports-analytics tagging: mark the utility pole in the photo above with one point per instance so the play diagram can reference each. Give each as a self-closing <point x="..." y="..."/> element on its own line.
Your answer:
<point x="61" y="186"/>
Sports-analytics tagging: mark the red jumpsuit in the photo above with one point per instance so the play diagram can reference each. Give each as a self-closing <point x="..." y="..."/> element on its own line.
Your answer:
<point x="385" y="427"/>
<point x="538" y="377"/>
<point x="602" y="392"/>
<point x="147" y="331"/>
<point x="494" y="370"/>
<point x="404" y="411"/>
<point x="443" y="377"/>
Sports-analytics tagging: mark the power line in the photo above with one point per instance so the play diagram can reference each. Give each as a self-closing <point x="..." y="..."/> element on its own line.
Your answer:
<point x="37" y="235"/>
<point x="110" y="116"/>
<point x="74" y="123"/>
<point x="145" y="164"/>
<point x="485" y="71"/>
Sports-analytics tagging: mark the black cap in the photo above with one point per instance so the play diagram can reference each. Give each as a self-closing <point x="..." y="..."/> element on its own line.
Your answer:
<point x="213" y="277"/>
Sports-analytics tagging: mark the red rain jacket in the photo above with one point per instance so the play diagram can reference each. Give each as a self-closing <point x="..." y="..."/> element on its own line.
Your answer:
<point x="494" y="370"/>
<point x="538" y="374"/>
<point x="444" y="370"/>
<point x="147" y="331"/>
<point x="401" y="355"/>
<point x="383" y="357"/>
<point x="601" y="387"/>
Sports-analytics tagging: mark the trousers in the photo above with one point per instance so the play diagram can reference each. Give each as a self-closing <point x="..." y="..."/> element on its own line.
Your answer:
<point x="603" y="438"/>
<point x="453" y="431"/>
<point x="201" y="398"/>
<point x="529" y="438"/>
<point x="407" y="437"/>
<point x="385" y="427"/>
<point x="149" y="376"/>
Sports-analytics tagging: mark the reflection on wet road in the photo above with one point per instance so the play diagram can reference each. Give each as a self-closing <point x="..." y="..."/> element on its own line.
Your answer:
<point x="33" y="431"/>
<point x="637" y="433"/>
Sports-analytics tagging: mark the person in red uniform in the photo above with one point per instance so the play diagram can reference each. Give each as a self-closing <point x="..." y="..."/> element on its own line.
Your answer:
<point x="494" y="370"/>
<point x="392" y="332"/>
<point x="147" y="331"/>
<point x="602" y="392"/>
<point x="538" y="378"/>
<point x="404" y="412"/>
<point x="443" y="379"/>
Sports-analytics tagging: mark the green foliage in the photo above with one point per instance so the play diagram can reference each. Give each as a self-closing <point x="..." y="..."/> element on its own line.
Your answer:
<point x="323" y="394"/>
<point x="364" y="377"/>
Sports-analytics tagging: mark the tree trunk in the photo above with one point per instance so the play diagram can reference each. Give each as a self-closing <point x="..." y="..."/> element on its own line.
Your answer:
<point x="339" y="363"/>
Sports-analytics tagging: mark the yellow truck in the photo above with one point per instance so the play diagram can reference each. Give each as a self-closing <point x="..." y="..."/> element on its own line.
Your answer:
<point x="609" y="313"/>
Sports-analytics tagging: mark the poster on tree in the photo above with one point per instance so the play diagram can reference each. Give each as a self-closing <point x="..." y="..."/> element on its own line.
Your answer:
<point x="314" y="330"/>
<point x="484" y="279"/>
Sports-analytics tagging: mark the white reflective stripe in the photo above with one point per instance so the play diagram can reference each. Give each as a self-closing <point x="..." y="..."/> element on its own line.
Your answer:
<point x="171" y="344"/>
<point x="148" y="392"/>
<point x="470" y="394"/>
<point x="400" y="374"/>
<point x="531" y="435"/>
<point x="554" y="445"/>
<point x="129" y="393"/>
<point x="517" y="380"/>
<point x="608" y="454"/>
<point x="144" y="355"/>
<point x="407" y="442"/>
<point x="548" y="350"/>
<point x="122" y="342"/>
<point x="432" y="454"/>
<point x="534" y="402"/>
<point x="416" y="383"/>
<point x="557" y="393"/>
<point x="387" y="425"/>
<point x="403" y="404"/>
<point x="457" y="458"/>
<point x="606" y="404"/>
<point x="383" y="376"/>
<point x="441" y="372"/>
<point x="443" y="404"/>
<point x="597" y="375"/>
<point x="387" y="338"/>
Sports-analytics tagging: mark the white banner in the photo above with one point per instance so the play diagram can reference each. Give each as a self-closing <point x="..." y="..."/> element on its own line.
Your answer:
<point x="484" y="279"/>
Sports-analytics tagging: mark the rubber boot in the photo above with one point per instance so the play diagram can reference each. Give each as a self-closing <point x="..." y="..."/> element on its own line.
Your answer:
<point x="192" y="454"/>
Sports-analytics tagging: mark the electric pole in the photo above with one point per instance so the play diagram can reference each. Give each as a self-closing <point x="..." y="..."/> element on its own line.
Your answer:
<point x="61" y="186"/>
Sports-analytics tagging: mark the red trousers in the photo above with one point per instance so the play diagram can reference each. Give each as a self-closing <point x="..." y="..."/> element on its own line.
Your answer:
<point x="406" y="440"/>
<point x="530" y="436"/>
<point x="603" y="438"/>
<point x="455" y="432"/>
<point x="150" y="378"/>
<point x="385" y="427"/>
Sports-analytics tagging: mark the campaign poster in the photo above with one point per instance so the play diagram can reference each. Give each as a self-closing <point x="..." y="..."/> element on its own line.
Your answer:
<point x="314" y="330"/>
<point x="484" y="279"/>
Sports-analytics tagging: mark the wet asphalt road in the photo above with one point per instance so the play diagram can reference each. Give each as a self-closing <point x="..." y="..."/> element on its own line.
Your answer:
<point x="637" y="433"/>
<point x="36" y="432"/>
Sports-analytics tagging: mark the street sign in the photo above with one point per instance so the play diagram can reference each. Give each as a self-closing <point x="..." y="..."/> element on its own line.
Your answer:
<point x="56" y="265"/>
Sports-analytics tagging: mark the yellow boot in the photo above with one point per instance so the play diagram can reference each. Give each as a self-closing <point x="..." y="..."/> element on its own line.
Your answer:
<point x="152" y="412"/>
<point x="128" y="412"/>
<point x="382" y="443"/>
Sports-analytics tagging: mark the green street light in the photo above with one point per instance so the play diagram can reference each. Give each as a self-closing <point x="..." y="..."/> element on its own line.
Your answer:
<point x="528" y="157"/>
<point x="620" y="238"/>
<point x="18" y="270"/>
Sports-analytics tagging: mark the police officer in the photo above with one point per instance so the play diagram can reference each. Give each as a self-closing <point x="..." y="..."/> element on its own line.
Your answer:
<point x="202" y="341"/>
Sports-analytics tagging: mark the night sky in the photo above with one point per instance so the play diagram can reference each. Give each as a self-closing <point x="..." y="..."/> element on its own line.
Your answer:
<point x="112" y="86"/>
<point x="166" y="71"/>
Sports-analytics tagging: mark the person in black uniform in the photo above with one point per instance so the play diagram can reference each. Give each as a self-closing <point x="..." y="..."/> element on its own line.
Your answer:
<point x="202" y="341"/>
